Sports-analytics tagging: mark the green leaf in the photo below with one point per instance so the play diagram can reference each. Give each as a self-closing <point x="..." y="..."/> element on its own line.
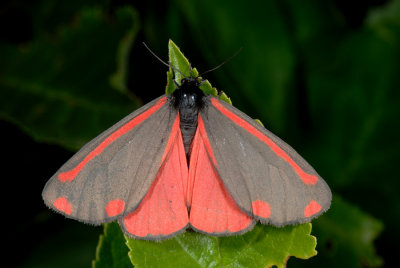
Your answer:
<point x="178" y="61"/>
<point x="62" y="82"/>
<point x="225" y="98"/>
<point x="111" y="249"/>
<point x="346" y="236"/>
<point x="261" y="247"/>
<point x="264" y="246"/>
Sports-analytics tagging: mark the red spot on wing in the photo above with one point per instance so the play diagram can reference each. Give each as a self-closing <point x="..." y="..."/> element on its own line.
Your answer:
<point x="63" y="205"/>
<point x="305" y="177"/>
<point x="115" y="207"/>
<point x="163" y="210"/>
<point x="261" y="209"/>
<point x="212" y="209"/>
<point x="312" y="208"/>
<point x="70" y="175"/>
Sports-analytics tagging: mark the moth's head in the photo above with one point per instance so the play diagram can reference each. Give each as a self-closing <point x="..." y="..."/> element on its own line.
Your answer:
<point x="188" y="93"/>
<point x="189" y="83"/>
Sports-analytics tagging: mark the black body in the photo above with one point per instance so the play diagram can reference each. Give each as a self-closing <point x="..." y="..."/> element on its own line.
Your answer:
<point x="188" y="99"/>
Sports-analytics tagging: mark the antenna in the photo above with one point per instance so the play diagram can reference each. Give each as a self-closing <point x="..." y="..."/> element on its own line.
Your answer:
<point x="163" y="62"/>
<point x="222" y="63"/>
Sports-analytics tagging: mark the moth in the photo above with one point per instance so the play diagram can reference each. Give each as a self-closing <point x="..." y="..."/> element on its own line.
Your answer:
<point x="187" y="159"/>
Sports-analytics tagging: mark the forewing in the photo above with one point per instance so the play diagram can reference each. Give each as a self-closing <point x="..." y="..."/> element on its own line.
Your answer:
<point x="111" y="174"/>
<point x="267" y="178"/>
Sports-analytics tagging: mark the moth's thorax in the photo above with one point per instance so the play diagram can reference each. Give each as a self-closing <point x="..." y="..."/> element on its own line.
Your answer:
<point x="188" y="99"/>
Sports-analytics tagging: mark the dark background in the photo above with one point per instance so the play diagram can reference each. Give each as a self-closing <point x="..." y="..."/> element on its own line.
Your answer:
<point x="322" y="75"/>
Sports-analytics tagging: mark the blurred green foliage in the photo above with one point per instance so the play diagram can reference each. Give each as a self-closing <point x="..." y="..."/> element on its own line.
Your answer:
<point x="64" y="80"/>
<point x="323" y="75"/>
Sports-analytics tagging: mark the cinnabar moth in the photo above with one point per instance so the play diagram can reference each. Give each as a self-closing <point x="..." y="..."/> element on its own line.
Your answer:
<point x="187" y="159"/>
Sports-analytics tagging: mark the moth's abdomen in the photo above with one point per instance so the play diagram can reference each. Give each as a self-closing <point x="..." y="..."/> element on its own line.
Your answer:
<point x="188" y="126"/>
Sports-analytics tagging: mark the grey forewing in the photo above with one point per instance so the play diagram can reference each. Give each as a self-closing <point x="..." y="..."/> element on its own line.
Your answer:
<point x="250" y="170"/>
<point x="124" y="170"/>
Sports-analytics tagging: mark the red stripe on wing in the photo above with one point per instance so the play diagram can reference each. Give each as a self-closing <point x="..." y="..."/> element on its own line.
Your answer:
<point x="70" y="175"/>
<point x="305" y="177"/>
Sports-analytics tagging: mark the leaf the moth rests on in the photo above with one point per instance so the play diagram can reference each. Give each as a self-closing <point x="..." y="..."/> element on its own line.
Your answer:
<point x="180" y="62"/>
<point x="264" y="246"/>
<point x="111" y="249"/>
